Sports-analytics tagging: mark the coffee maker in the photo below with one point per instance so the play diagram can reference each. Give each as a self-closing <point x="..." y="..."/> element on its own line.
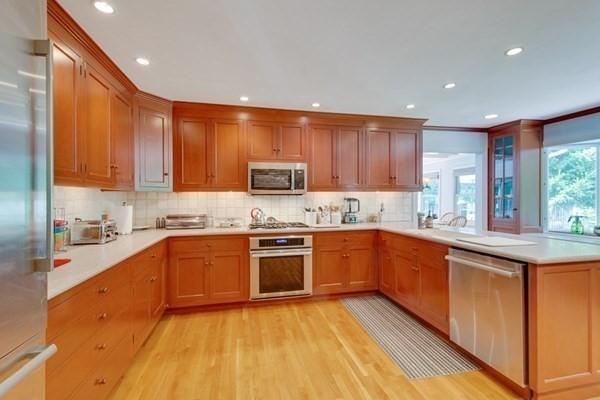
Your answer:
<point x="352" y="208"/>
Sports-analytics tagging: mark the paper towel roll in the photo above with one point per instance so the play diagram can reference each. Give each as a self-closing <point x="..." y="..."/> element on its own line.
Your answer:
<point x="123" y="216"/>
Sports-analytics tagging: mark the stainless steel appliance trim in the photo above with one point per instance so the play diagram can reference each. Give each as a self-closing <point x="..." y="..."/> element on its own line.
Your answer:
<point x="498" y="271"/>
<point x="254" y="242"/>
<point x="38" y="355"/>
<point x="278" y="253"/>
<point x="45" y="48"/>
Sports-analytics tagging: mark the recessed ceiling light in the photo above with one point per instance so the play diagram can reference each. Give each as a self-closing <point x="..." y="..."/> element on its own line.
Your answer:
<point x="410" y="106"/>
<point x="514" y="51"/>
<point x="316" y="105"/>
<point x="142" y="61"/>
<point x="244" y="98"/>
<point x="449" y="85"/>
<point x="491" y="116"/>
<point x="104" y="7"/>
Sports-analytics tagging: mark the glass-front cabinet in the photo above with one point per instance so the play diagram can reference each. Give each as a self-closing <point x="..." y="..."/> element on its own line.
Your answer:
<point x="503" y="177"/>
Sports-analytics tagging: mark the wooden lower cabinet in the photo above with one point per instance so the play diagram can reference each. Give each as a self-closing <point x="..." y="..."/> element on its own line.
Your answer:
<point x="414" y="273"/>
<point x="99" y="325"/>
<point x="344" y="262"/>
<point x="564" y="330"/>
<point x="209" y="270"/>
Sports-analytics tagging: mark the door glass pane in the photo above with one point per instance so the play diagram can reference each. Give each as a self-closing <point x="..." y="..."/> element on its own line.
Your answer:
<point x="572" y="186"/>
<point x="281" y="274"/>
<point x="508" y="187"/>
<point x="497" y="187"/>
<point x="498" y="211"/>
<point x="508" y="167"/>
<point x="508" y="208"/>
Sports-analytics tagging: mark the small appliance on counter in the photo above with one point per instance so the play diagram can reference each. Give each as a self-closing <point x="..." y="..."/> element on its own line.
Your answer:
<point x="93" y="231"/>
<point x="185" y="221"/>
<point x="352" y="207"/>
<point x="228" y="223"/>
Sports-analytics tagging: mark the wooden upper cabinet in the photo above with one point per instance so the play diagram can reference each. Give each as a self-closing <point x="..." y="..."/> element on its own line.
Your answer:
<point x="292" y="142"/>
<point x="96" y="131"/>
<point x="122" y="141"/>
<point x="67" y="69"/>
<point x="191" y="159"/>
<point x="229" y="155"/>
<point x="349" y="157"/>
<point x="379" y="159"/>
<point x="275" y="141"/>
<point x="407" y="160"/>
<point x="322" y="169"/>
<point x="262" y="140"/>
<point x="153" y="143"/>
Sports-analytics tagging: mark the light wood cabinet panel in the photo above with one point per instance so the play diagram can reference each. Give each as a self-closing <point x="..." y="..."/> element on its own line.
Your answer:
<point x="379" y="162"/>
<point x="66" y="71"/>
<point x="97" y="132"/>
<point x="387" y="274"/>
<point x="407" y="280"/>
<point x="349" y="158"/>
<point x="122" y="141"/>
<point x="564" y="325"/>
<point x="322" y="169"/>
<point x="292" y="142"/>
<point x="188" y="279"/>
<point x="329" y="274"/>
<point x="158" y="283"/>
<point x="263" y="138"/>
<point x="192" y="159"/>
<point x="434" y="285"/>
<point x="228" y="275"/>
<point x="362" y="268"/>
<point x="229" y="152"/>
<point x="406" y="161"/>
<point x="153" y="143"/>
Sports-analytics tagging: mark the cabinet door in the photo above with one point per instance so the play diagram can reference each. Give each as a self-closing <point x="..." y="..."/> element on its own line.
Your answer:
<point x="349" y="158"/>
<point x="142" y="297"/>
<point x="229" y="155"/>
<point x="158" y="281"/>
<point x="503" y="183"/>
<point x="263" y="140"/>
<point x="192" y="159"/>
<point x="406" y="167"/>
<point x="386" y="272"/>
<point x="153" y="148"/>
<point x="229" y="276"/>
<point x="97" y="132"/>
<point x="188" y="279"/>
<point x="292" y="142"/>
<point x="434" y="285"/>
<point x="121" y="126"/>
<point x="379" y="159"/>
<point x="66" y="96"/>
<point x="362" y="268"/>
<point x="330" y="271"/>
<point x="407" y="279"/>
<point x="322" y="169"/>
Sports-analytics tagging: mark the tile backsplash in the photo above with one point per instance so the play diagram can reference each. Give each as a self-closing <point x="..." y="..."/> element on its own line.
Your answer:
<point x="90" y="203"/>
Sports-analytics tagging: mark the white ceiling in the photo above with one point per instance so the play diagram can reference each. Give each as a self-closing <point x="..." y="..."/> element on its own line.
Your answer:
<point x="361" y="56"/>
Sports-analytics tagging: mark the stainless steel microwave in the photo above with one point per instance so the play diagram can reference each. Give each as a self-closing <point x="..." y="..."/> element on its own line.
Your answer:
<point x="276" y="178"/>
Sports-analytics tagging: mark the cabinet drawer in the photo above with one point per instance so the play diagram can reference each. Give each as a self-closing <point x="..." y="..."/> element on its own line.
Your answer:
<point x="148" y="258"/>
<point x="100" y="382"/>
<point x="192" y="245"/>
<point x="346" y="239"/>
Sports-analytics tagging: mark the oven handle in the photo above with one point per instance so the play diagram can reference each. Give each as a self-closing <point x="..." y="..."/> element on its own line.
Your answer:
<point x="280" y="253"/>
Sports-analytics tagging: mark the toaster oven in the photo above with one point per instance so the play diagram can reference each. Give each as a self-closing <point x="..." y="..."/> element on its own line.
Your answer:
<point x="93" y="231"/>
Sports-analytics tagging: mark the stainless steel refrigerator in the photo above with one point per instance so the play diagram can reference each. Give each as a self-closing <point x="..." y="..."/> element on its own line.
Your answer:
<point x="25" y="197"/>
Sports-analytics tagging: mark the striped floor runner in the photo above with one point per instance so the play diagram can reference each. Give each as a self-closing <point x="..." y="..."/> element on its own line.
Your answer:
<point x="416" y="350"/>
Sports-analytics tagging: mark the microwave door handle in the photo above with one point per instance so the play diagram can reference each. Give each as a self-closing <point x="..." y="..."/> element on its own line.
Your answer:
<point x="283" y="254"/>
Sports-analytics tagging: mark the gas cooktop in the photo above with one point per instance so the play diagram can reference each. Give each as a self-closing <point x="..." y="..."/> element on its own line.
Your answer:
<point x="278" y="225"/>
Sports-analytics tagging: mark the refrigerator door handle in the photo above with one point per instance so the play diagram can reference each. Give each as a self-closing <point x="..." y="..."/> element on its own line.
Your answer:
<point x="45" y="48"/>
<point x="38" y="357"/>
<point x="488" y="268"/>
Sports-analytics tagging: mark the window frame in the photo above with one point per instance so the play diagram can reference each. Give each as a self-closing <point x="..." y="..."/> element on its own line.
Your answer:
<point x="544" y="186"/>
<point x="461" y="172"/>
<point x="437" y="172"/>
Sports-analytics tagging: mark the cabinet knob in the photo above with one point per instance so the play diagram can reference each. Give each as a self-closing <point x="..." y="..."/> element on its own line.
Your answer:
<point x="153" y="279"/>
<point x="165" y="174"/>
<point x="345" y="239"/>
<point x="100" y="381"/>
<point x="101" y="346"/>
<point x="102" y="316"/>
<point x="103" y="290"/>
<point x="205" y="262"/>
<point x="153" y="256"/>
<point x="114" y="166"/>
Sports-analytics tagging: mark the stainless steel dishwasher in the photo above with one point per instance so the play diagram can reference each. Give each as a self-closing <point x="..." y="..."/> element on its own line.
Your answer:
<point x="487" y="310"/>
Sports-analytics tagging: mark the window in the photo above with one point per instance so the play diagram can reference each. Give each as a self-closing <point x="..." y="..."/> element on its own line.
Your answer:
<point x="430" y="197"/>
<point x="572" y="186"/>
<point x="465" y="187"/>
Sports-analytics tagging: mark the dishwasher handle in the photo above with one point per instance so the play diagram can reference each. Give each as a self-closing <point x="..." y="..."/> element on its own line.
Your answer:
<point x="38" y="357"/>
<point x="485" y="267"/>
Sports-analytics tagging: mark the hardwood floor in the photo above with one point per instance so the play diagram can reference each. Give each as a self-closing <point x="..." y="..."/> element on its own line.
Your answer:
<point x="304" y="350"/>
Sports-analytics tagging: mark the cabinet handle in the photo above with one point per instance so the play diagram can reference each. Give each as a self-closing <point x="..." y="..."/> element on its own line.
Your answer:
<point x="102" y="316"/>
<point x="153" y="256"/>
<point x="206" y="263"/>
<point x="85" y="167"/>
<point x="114" y="166"/>
<point x="101" y="346"/>
<point x="103" y="290"/>
<point x="100" y="381"/>
<point x="165" y="174"/>
<point x="153" y="279"/>
<point x="345" y="239"/>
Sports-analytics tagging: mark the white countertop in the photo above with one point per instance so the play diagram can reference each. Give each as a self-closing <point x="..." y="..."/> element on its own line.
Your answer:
<point x="88" y="261"/>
